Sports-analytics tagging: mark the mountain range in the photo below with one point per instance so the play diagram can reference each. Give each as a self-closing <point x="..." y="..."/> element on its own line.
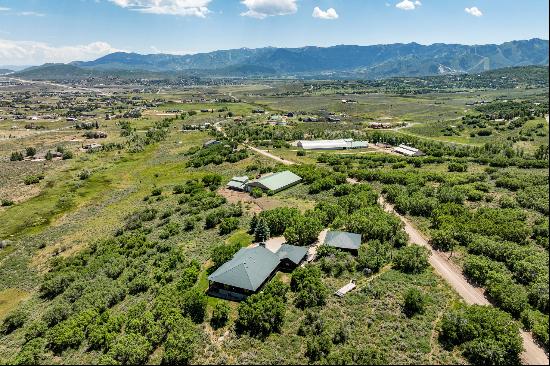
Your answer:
<point x="368" y="62"/>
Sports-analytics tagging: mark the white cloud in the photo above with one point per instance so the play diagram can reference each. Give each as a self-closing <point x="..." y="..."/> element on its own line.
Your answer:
<point x="474" y="11"/>
<point x="261" y="9"/>
<point x="329" y="14"/>
<point x="30" y="14"/>
<point x="198" y="8"/>
<point x="408" y="5"/>
<point x="36" y="53"/>
<point x="4" y="9"/>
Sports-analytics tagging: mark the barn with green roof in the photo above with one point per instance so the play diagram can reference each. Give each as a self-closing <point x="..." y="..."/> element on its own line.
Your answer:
<point x="275" y="182"/>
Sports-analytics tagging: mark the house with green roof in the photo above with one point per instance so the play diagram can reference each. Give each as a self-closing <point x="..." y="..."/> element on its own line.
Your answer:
<point x="343" y="240"/>
<point x="250" y="269"/>
<point x="275" y="182"/>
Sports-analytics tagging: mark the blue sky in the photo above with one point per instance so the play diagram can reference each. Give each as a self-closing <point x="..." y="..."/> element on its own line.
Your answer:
<point x="38" y="31"/>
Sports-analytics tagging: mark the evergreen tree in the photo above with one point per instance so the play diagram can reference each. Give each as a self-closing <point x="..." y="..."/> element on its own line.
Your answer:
<point x="261" y="233"/>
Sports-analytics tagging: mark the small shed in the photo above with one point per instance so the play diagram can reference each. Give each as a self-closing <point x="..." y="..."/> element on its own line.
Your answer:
<point x="211" y="142"/>
<point x="276" y="182"/>
<point x="343" y="240"/>
<point x="344" y="290"/>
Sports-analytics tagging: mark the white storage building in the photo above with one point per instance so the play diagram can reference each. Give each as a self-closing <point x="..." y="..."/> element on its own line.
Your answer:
<point x="342" y="144"/>
<point x="408" y="150"/>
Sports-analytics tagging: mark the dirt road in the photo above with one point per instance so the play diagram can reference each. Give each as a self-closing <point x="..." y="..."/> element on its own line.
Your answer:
<point x="271" y="156"/>
<point x="532" y="354"/>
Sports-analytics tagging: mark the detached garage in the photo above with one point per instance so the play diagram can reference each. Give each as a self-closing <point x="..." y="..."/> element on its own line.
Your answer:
<point x="276" y="182"/>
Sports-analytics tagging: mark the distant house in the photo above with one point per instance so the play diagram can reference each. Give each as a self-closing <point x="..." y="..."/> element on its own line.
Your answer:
<point x="238" y="183"/>
<point x="291" y="256"/>
<point x="408" y="150"/>
<point x="251" y="268"/>
<point x="379" y="125"/>
<point x="92" y="147"/>
<point x="343" y="240"/>
<point x="342" y="144"/>
<point x="210" y="143"/>
<point x="310" y="119"/>
<point x="276" y="182"/>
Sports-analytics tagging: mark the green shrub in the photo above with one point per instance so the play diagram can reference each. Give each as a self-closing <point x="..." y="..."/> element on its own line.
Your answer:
<point x="13" y="321"/>
<point x="35" y="329"/>
<point x="256" y="192"/>
<point x="536" y="322"/>
<point x="31" y="353"/>
<point x="5" y="202"/>
<point x="16" y="156"/>
<point x="30" y="151"/>
<point x="304" y="230"/>
<point x="193" y="305"/>
<point x="508" y="295"/>
<point x="310" y="290"/>
<point x="223" y="253"/>
<point x="374" y="256"/>
<point x="487" y="335"/>
<point x="412" y="259"/>
<point x="261" y="314"/>
<point x="414" y="303"/>
<point x="67" y="334"/>
<point x="229" y="225"/>
<point x="220" y="315"/>
<point x="457" y="167"/>
<point x="31" y="179"/>
<point x="131" y="349"/>
<point x="318" y="347"/>
<point x="180" y="344"/>
<point x="83" y="175"/>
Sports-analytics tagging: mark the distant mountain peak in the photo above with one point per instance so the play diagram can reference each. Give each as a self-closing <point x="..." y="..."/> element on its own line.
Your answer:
<point x="376" y="61"/>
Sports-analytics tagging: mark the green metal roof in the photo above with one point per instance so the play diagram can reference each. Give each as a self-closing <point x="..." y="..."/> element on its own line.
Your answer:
<point x="292" y="252"/>
<point x="343" y="240"/>
<point x="277" y="181"/>
<point x="238" y="183"/>
<point x="248" y="269"/>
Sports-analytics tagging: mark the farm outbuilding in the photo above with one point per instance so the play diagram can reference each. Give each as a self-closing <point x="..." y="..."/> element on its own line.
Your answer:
<point x="275" y="182"/>
<point x="238" y="183"/>
<point x="343" y="240"/>
<point x="408" y="150"/>
<point x="342" y="144"/>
